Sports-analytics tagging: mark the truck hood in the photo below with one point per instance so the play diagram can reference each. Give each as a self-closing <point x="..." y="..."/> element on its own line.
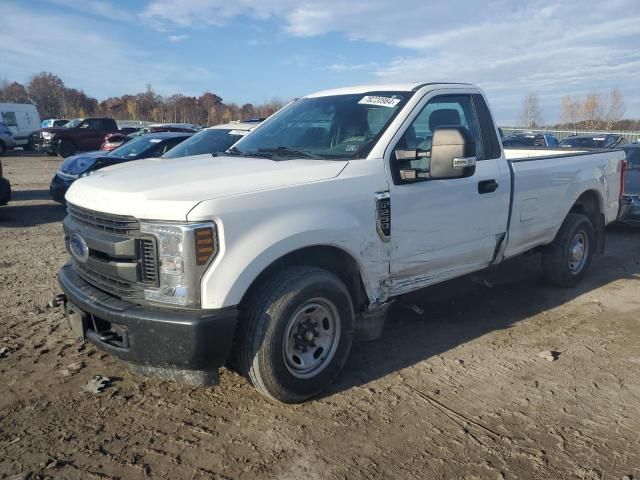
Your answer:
<point x="53" y="130"/>
<point x="167" y="189"/>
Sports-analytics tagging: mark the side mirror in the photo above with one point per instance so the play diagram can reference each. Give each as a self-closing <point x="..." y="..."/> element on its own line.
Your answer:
<point x="453" y="153"/>
<point x="408" y="154"/>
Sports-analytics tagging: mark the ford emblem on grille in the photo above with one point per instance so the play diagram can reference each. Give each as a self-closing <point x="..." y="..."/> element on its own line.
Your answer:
<point x="79" y="248"/>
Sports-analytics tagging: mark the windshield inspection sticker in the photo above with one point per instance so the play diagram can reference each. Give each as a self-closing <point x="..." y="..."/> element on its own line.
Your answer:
<point x="379" y="101"/>
<point x="238" y="132"/>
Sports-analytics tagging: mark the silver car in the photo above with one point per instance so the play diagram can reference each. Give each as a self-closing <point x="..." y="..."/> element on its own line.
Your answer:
<point x="7" y="141"/>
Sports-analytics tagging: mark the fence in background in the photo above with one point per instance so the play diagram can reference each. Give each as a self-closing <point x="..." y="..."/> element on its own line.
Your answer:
<point x="560" y="134"/>
<point x="133" y="123"/>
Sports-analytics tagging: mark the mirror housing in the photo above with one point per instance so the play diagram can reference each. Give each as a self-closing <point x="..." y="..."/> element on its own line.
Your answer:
<point x="453" y="153"/>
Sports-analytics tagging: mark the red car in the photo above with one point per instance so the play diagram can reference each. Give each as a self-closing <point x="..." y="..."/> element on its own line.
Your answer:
<point x="114" y="140"/>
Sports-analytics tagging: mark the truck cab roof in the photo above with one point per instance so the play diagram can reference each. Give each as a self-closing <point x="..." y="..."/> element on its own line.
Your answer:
<point x="394" y="87"/>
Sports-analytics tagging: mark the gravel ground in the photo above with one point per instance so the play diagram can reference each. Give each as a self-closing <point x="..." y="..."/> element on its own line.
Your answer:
<point x="458" y="391"/>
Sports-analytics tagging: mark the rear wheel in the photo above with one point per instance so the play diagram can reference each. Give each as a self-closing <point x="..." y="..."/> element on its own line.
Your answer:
<point x="5" y="191"/>
<point x="567" y="259"/>
<point x="3" y="149"/>
<point x="297" y="333"/>
<point x="66" y="148"/>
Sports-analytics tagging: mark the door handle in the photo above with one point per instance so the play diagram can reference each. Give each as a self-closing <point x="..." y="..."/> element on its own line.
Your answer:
<point x="487" y="186"/>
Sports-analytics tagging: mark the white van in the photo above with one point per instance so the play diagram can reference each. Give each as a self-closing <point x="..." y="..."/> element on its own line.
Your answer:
<point x="21" y="118"/>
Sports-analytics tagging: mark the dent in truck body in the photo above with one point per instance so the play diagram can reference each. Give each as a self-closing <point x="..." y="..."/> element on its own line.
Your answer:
<point x="262" y="227"/>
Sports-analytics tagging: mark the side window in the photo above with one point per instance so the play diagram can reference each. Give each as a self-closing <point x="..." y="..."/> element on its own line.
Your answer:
<point x="91" y="124"/>
<point x="9" y="118"/>
<point x="441" y="111"/>
<point x="169" y="144"/>
<point x="491" y="144"/>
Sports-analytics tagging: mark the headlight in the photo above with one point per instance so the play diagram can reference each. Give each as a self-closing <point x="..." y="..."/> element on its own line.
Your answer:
<point x="184" y="252"/>
<point x="47" y="135"/>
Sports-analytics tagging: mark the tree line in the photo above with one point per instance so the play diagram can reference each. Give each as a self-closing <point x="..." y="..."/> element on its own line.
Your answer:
<point x="594" y="111"/>
<point x="54" y="99"/>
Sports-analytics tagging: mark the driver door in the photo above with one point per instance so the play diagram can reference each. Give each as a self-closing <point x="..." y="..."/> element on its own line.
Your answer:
<point x="447" y="227"/>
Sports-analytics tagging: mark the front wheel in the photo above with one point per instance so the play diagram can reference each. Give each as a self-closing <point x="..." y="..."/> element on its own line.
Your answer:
<point x="297" y="333"/>
<point x="66" y="148"/>
<point x="566" y="260"/>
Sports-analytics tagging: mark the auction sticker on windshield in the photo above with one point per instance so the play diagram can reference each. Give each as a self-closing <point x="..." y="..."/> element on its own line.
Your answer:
<point x="379" y="101"/>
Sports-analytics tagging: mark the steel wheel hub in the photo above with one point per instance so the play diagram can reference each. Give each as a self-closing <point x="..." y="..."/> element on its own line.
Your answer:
<point x="578" y="251"/>
<point x="311" y="338"/>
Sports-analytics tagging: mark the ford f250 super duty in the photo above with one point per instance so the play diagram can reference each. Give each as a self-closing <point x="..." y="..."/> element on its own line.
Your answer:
<point x="280" y="252"/>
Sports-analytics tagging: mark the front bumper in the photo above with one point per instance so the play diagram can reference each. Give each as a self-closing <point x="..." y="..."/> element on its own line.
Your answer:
<point x="629" y="209"/>
<point x="186" y="346"/>
<point x="42" y="145"/>
<point x="59" y="187"/>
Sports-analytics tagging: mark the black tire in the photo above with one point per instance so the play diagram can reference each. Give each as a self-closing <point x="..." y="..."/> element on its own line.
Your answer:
<point x="559" y="260"/>
<point x="66" y="148"/>
<point x="30" y="146"/>
<point x="272" y="310"/>
<point x="5" y="191"/>
<point x="3" y="149"/>
<point x="52" y="154"/>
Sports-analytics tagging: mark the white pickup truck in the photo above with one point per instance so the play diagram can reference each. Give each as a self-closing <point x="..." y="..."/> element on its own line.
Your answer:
<point x="298" y="238"/>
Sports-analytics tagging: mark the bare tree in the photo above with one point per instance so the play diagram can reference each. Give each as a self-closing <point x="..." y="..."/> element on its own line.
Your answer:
<point x="592" y="112"/>
<point x="531" y="111"/>
<point x="616" y="109"/>
<point x="570" y="111"/>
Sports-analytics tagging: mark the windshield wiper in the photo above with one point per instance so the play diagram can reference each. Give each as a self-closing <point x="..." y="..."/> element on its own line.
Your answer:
<point x="288" y="152"/>
<point x="233" y="151"/>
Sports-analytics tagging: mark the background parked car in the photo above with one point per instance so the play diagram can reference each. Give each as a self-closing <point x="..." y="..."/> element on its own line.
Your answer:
<point x="114" y="140"/>
<point x="5" y="189"/>
<point x="146" y="146"/>
<point x="22" y="119"/>
<point x="212" y="140"/>
<point x="53" y="122"/>
<point x="7" y="141"/>
<point x="630" y="203"/>
<point x="593" y="141"/>
<point x="530" y="140"/>
<point x="77" y="135"/>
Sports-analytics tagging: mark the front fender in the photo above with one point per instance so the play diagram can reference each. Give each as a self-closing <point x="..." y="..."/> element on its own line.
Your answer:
<point x="249" y="245"/>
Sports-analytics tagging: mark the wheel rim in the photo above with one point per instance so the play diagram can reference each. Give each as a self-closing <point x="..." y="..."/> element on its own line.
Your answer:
<point x="578" y="251"/>
<point x="311" y="338"/>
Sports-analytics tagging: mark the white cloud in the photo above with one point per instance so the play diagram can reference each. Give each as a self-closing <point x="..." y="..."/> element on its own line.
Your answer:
<point x="507" y="46"/>
<point x="94" y="8"/>
<point x="85" y="54"/>
<point x="177" y="38"/>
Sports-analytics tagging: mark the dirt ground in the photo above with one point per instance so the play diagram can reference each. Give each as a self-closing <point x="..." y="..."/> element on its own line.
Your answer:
<point x="458" y="391"/>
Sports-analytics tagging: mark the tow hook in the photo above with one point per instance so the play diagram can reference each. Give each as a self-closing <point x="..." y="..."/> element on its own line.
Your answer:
<point x="58" y="300"/>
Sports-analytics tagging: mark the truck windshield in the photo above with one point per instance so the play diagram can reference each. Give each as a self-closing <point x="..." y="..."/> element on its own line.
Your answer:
<point x="336" y="126"/>
<point x="135" y="147"/>
<point x="213" y="140"/>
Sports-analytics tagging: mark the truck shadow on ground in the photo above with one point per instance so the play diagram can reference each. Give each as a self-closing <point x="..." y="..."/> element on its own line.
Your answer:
<point x="16" y="215"/>
<point x="463" y="309"/>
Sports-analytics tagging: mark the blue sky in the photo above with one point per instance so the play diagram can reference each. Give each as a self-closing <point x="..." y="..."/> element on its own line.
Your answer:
<point x="254" y="50"/>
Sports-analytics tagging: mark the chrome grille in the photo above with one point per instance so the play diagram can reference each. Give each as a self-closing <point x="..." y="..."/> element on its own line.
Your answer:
<point x="149" y="261"/>
<point x="115" y="286"/>
<point x="113" y="228"/>
<point x="121" y="224"/>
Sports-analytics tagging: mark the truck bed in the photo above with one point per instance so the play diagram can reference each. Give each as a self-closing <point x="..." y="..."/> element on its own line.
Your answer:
<point x="547" y="181"/>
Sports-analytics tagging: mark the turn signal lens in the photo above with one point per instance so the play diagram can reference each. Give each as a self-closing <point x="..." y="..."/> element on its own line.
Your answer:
<point x="205" y="244"/>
